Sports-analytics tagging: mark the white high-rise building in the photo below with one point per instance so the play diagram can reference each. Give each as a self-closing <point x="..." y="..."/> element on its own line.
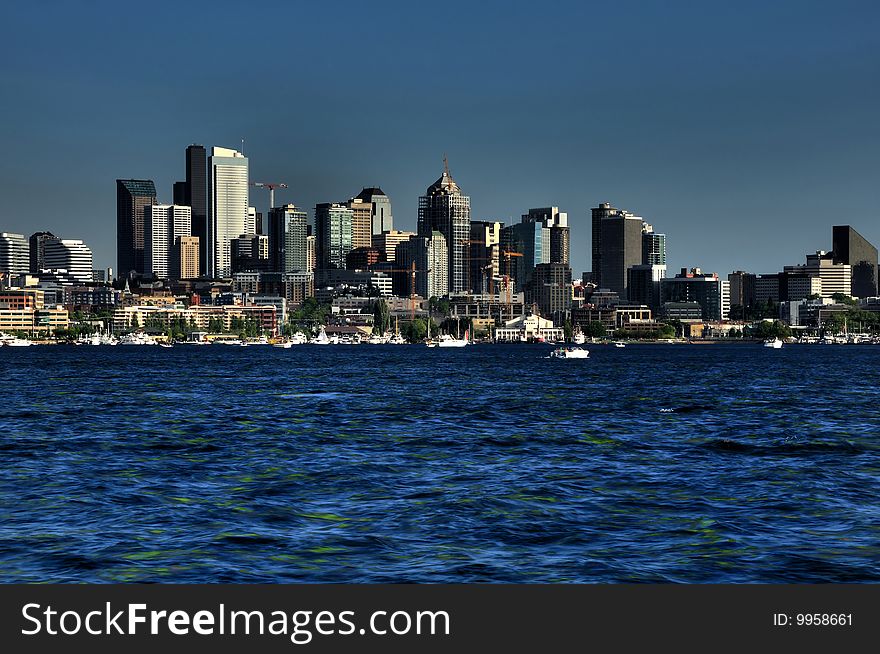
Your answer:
<point x="14" y="253"/>
<point x="228" y="215"/>
<point x="163" y="225"/>
<point x="71" y="255"/>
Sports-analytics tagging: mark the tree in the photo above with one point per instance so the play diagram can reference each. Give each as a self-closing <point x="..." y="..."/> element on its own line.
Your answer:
<point x="840" y="298"/>
<point x="595" y="329"/>
<point x="567" y="329"/>
<point x="381" y="316"/>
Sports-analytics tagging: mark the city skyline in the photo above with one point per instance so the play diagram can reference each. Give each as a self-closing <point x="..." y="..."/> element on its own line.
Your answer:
<point x="738" y="147"/>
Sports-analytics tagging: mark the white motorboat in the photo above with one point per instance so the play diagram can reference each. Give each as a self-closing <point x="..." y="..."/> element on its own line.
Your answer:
<point x="18" y="342"/>
<point x="570" y="353"/>
<point x="137" y="339"/>
<point x="774" y="343"/>
<point x="283" y="344"/>
<point x="579" y="339"/>
<point x="619" y="344"/>
<point x="397" y="339"/>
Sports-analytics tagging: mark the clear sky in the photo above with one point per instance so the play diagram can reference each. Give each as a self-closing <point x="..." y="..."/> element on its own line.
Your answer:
<point x="743" y="130"/>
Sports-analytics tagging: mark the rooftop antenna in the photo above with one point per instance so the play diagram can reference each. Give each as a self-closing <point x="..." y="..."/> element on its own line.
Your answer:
<point x="445" y="165"/>
<point x="242" y="146"/>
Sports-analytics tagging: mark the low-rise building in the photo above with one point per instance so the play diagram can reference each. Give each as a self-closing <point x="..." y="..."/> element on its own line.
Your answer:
<point x="528" y="328"/>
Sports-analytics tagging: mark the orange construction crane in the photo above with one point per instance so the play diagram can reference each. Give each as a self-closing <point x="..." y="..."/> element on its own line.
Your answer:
<point x="271" y="186"/>
<point x="412" y="285"/>
<point x="507" y="254"/>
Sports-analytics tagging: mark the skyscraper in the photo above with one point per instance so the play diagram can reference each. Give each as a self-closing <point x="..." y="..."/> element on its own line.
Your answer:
<point x="288" y="231"/>
<point x="484" y="254"/>
<point x="185" y="258"/>
<point x="164" y="224"/>
<point x="227" y="207"/>
<point x="532" y="240"/>
<point x="604" y="210"/>
<point x="14" y="254"/>
<point x="388" y="241"/>
<point x="36" y="246"/>
<point x="653" y="247"/>
<point x="620" y="236"/>
<point x="445" y="209"/>
<point x="380" y="204"/>
<point x="332" y="235"/>
<point x="850" y="247"/>
<point x="430" y="257"/>
<point x="132" y="195"/>
<point x="559" y="243"/>
<point x="361" y="223"/>
<point x="197" y="198"/>
<point x="71" y="255"/>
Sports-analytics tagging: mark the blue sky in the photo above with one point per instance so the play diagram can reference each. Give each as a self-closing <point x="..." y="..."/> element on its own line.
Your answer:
<point x="743" y="130"/>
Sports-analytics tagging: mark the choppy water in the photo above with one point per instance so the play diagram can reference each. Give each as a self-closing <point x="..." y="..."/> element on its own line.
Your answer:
<point x="391" y="464"/>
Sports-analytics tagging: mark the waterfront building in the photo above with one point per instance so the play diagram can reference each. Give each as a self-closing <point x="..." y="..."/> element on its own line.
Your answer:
<point x="430" y="258"/>
<point x="381" y="219"/>
<point x="132" y="197"/>
<point x="35" y="247"/>
<point x="706" y="289"/>
<point x="767" y="288"/>
<point x="388" y="241"/>
<point x="445" y="209"/>
<point x="288" y="239"/>
<point x="71" y="255"/>
<point x="333" y="234"/>
<point x="528" y="328"/>
<point x="228" y="215"/>
<point x="851" y="248"/>
<point x="14" y="254"/>
<point x="163" y="225"/>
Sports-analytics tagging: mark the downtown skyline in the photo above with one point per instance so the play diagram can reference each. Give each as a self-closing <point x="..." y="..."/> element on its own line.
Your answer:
<point x="742" y="146"/>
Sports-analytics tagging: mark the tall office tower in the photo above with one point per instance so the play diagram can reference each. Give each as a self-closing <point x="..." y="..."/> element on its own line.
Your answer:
<point x="836" y="277"/>
<point x="197" y="198"/>
<point x="621" y="239"/>
<point x="484" y="254"/>
<point x="742" y="288"/>
<point x="380" y="204"/>
<point x="180" y="193"/>
<point x="388" y="241"/>
<point x="430" y="256"/>
<point x="36" y="243"/>
<point x="559" y="236"/>
<point x="163" y="225"/>
<point x="311" y="254"/>
<point x="288" y="234"/>
<point x="259" y="224"/>
<point x="71" y="255"/>
<point x="332" y="235"/>
<point x="227" y="207"/>
<point x="850" y="247"/>
<point x="604" y="210"/>
<point x="361" y="223"/>
<point x="14" y="253"/>
<point x="532" y="241"/>
<point x="185" y="258"/>
<point x="445" y="209"/>
<point x="132" y="195"/>
<point x="653" y="246"/>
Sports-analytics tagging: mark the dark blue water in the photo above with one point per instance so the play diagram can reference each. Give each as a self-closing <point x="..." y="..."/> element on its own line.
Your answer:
<point x="652" y="463"/>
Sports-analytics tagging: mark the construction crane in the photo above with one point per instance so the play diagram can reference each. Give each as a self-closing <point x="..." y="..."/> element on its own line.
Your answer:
<point x="412" y="285"/>
<point x="507" y="254"/>
<point x="271" y="186"/>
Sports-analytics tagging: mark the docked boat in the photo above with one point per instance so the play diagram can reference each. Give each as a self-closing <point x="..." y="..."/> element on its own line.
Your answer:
<point x="619" y="344"/>
<point x="446" y="340"/>
<point x="570" y="353"/>
<point x="17" y="342"/>
<point x="579" y="339"/>
<point x="774" y="343"/>
<point x="397" y="339"/>
<point x="321" y="338"/>
<point x="137" y="339"/>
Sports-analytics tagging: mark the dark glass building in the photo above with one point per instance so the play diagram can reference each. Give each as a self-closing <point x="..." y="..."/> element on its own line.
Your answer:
<point x="36" y="244"/>
<point x="132" y="195"/>
<point x="850" y="247"/>
<point x="196" y="196"/>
